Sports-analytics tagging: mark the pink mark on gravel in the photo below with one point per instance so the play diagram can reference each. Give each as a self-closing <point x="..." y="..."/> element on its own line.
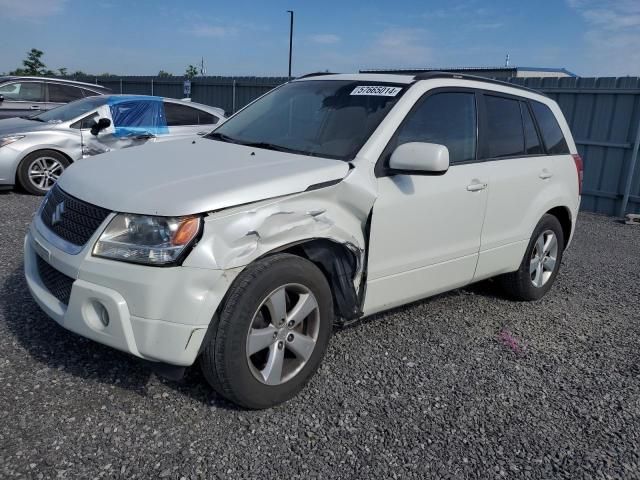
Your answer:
<point x="507" y="339"/>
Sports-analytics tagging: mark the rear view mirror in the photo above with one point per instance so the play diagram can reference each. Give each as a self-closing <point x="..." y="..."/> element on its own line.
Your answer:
<point x="100" y="125"/>
<point x="418" y="158"/>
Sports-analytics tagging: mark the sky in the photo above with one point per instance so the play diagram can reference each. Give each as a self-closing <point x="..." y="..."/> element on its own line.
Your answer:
<point x="240" y="37"/>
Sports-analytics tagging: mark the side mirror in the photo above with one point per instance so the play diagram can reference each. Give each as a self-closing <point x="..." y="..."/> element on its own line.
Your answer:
<point x="418" y="158"/>
<point x="100" y="125"/>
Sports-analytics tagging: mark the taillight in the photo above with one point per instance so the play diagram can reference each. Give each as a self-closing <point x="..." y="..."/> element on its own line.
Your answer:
<point x="580" y="169"/>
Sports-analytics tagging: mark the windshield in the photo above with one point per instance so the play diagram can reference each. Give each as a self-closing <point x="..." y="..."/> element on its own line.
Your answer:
<point x="71" y="110"/>
<point x="326" y="118"/>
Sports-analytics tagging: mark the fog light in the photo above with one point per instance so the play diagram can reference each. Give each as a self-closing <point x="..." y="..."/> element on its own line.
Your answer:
<point x="103" y="315"/>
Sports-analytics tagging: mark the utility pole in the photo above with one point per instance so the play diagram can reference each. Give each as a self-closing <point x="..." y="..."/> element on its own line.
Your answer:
<point x="290" y="39"/>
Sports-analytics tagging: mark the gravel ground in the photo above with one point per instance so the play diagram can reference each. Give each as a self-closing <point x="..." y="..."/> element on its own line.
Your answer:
<point x="464" y="385"/>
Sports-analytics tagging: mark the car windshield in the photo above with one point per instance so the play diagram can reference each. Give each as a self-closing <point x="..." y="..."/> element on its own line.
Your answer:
<point x="70" y="110"/>
<point x="325" y="118"/>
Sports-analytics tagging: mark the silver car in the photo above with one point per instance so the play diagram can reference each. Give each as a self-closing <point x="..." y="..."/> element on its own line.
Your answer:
<point x="34" y="151"/>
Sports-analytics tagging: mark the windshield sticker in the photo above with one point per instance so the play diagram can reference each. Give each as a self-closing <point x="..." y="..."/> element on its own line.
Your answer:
<point x="377" y="90"/>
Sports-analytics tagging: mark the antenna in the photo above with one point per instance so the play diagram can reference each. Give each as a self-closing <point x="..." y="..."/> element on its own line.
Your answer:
<point x="506" y="61"/>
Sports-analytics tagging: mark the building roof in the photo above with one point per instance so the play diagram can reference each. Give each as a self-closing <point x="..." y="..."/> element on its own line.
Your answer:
<point x="502" y="69"/>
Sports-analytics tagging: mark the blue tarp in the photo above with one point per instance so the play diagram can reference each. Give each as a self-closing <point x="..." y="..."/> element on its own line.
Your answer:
<point x="138" y="115"/>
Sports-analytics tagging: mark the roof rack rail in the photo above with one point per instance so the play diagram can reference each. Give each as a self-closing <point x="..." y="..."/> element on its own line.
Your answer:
<point x="315" y="74"/>
<point x="430" y="75"/>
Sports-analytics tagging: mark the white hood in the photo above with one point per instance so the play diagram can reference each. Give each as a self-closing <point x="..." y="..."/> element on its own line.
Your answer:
<point x="193" y="176"/>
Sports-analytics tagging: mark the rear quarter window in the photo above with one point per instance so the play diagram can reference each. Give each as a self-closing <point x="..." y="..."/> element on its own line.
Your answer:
<point x="551" y="132"/>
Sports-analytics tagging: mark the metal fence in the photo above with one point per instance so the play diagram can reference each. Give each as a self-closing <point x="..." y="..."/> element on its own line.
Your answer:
<point x="229" y="93"/>
<point x="604" y="116"/>
<point x="603" y="113"/>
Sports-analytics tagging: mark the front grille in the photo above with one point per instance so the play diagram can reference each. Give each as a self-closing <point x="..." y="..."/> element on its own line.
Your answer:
<point x="75" y="221"/>
<point x="58" y="284"/>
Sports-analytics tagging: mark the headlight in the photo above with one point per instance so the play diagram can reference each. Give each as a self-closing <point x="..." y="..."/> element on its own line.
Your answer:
<point x="145" y="239"/>
<point x="7" y="140"/>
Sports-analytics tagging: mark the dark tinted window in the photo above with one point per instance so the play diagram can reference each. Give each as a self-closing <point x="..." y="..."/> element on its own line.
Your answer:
<point x="177" y="115"/>
<point x="447" y="119"/>
<point x="205" y="118"/>
<point x="504" y="136"/>
<point x="180" y="115"/>
<point x="23" y="91"/>
<point x="551" y="132"/>
<point x="86" y="122"/>
<point x="531" y="139"/>
<point x="63" y="93"/>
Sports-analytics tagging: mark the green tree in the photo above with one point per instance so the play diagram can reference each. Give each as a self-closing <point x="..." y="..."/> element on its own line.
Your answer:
<point x="33" y="65"/>
<point x="191" y="72"/>
<point x="79" y="73"/>
<point x="62" y="71"/>
<point x="163" y="74"/>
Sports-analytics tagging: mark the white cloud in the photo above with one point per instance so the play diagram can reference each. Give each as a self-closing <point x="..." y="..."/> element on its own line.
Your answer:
<point x="325" y="38"/>
<point x="212" y="31"/>
<point x="30" y="9"/>
<point x="612" y="35"/>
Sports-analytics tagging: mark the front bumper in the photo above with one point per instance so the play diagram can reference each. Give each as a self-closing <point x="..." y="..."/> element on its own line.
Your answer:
<point x="159" y="314"/>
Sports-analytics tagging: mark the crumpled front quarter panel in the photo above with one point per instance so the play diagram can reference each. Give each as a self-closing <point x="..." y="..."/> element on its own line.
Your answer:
<point x="237" y="236"/>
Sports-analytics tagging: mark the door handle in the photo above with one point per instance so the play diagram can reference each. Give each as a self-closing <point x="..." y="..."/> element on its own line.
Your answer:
<point x="476" y="187"/>
<point x="545" y="174"/>
<point x="35" y="107"/>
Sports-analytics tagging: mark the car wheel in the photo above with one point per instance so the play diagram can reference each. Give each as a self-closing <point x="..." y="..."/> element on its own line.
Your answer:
<point x="39" y="171"/>
<point x="272" y="332"/>
<point x="540" y="264"/>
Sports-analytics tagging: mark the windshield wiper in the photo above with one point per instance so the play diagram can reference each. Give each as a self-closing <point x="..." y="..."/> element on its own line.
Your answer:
<point x="222" y="137"/>
<point x="271" y="146"/>
<point x="35" y="119"/>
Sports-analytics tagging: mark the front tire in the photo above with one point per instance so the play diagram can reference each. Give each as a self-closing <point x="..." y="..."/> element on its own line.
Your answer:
<point x="39" y="171"/>
<point x="540" y="264"/>
<point x="272" y="332"/>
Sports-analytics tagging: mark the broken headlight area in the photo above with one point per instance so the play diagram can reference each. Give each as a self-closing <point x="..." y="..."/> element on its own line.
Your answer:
<point x="147" y="239"/>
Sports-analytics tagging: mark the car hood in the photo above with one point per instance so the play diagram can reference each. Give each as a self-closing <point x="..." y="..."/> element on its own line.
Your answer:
<point x="185" y="177"/>
<point x="14" y="126"/>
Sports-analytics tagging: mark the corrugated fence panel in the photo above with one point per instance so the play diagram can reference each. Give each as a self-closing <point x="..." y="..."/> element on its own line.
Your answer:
<point x="604" y="116"/>
<point x="603" y="113"/>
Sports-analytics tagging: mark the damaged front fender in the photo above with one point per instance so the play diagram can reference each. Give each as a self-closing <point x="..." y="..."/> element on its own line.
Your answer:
<point x="336" y="214"/>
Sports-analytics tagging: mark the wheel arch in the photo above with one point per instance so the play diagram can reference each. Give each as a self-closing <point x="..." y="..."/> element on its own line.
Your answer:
<point x="563" y="214"/>
<point x="40" y="149"/>
<point x="339" y="262"/>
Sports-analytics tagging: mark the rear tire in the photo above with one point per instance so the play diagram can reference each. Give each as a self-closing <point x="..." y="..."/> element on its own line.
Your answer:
<point x="541" y="262"/>
<point x="272" y="332"/>
<point x="39" y="171"/>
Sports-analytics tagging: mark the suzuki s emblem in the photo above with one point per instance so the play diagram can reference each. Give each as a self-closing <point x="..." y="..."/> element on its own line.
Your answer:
<point x="57" y="214"/>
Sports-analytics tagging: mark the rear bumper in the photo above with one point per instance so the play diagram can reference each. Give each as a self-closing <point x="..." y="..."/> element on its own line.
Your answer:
<point x="135" y="299"/>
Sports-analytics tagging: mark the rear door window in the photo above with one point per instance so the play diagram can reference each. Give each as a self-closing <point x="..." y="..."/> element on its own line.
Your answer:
<point x="448" y="119"/>
<point x="181" y="115"/>
<point x="551" y="132"/>
<point x="533" y="146"/>
<point x="23" y="92"/>
<point x="504" y="134"/>
<point x="59" y="93"/>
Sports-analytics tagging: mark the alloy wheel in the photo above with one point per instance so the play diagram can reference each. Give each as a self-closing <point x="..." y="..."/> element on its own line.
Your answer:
<point x="283" y="334"/>
<point x="44" y="172"/>
<point x="543" y="258"/>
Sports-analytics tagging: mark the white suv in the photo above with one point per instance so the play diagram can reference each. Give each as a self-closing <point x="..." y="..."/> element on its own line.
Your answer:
<point x="330" y="198"/>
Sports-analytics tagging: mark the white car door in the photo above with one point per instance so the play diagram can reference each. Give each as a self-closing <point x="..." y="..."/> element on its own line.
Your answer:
<point x="185" y="121"/>
<point x="521" y="177"/>
<point x="425" y="229"/>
